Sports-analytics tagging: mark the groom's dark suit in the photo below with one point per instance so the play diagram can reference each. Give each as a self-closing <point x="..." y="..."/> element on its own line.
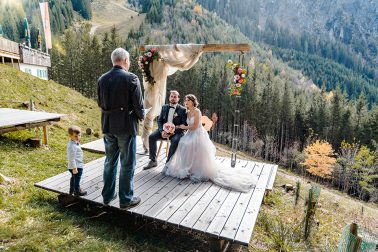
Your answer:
<point x="179" y="117"/>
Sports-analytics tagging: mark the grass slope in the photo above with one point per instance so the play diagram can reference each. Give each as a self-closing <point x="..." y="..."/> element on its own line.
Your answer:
<point x="107" y="14"/>
<point x="32" y="220"/>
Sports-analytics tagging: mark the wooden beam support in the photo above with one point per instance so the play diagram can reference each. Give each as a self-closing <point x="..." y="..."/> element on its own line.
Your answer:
<point x="219" y="48"/>
<point x="45" y="135"/>
<point x="24" y="126"/>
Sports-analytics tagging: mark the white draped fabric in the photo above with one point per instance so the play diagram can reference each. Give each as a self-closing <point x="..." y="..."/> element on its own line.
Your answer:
<point x="173" y="57"/>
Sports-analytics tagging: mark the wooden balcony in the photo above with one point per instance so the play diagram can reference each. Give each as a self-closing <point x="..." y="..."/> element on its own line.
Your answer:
<point x="34" y="57"/>
<point x="9" y="49"/>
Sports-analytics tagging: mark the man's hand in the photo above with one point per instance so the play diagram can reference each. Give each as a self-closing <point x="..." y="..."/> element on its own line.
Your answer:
<point x="74" y="171"/>
<point x="182" y="126"/>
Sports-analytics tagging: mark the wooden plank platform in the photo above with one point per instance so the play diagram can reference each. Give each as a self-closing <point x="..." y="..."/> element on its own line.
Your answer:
<point x="16" y="119"/>
<point x="98" y="146"/>
<point x="13" y="117"/>
<point x="202" y="207"/>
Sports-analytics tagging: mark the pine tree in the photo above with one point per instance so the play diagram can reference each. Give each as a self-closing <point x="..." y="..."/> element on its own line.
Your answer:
<point x="83" y="7"/>
<point x="335" y="136"/>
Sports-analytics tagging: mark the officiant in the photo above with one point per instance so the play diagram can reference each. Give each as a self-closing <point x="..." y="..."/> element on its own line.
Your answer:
<point x="172" y="113"/>
<point x="121" y="102"/>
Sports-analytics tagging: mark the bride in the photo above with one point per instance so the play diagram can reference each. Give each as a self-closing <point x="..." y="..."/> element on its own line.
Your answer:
<point x="195" y="156"/>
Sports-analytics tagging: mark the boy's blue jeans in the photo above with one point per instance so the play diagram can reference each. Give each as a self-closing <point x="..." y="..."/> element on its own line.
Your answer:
<point x="75" y="179"/>
<point x="122" y="147"/>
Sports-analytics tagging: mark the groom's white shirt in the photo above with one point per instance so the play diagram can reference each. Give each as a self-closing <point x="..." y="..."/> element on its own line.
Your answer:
<point x="171" y="112"/>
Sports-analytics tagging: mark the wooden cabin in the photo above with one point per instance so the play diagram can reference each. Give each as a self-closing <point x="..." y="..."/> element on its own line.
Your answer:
<point x="24" y="58"/>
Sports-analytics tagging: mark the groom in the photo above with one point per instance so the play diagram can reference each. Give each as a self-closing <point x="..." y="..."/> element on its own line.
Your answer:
<point x="174" y="113"/>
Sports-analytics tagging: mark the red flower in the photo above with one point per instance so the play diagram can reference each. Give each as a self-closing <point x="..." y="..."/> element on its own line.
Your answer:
<point x="235" y="91"/>
<point x="241" y="80"/>
<point x="144" y="58"/>
<point x="153" y="50"/>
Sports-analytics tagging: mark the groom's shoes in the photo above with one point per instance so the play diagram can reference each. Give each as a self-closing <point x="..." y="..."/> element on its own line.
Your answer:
<point x="150" y="165"/>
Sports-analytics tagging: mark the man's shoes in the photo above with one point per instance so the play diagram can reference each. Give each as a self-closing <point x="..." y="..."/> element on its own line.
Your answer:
<point x="71" y="191"/>
<point x="135" y="201"/>
<point x="80" y="193"/>
<point x="150" y="165"/>
<point x="106" y="203"/>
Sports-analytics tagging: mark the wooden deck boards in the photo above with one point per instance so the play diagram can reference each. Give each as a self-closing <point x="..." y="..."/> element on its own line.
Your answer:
<point x="98" y="146"/>
<point x="13" y="117"/>
<point x="203" y="207"/>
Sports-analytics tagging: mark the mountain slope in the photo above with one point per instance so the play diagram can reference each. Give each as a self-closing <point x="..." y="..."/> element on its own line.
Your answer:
<point x="351" y="22"/>
<point x="113" y="13"/>
<point x="342" y="31"/>
<point x="181" y="23"/>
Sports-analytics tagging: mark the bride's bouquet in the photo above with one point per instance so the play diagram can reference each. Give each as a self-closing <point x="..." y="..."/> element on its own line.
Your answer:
<point x="169" y="128"/>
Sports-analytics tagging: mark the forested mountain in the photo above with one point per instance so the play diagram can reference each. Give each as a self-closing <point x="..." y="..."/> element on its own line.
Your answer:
<point x="62" y="16"/>
<point x="344" y="31"/>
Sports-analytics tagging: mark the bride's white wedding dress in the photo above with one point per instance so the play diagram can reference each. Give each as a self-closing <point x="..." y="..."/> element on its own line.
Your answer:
<point x="195" y="159"/>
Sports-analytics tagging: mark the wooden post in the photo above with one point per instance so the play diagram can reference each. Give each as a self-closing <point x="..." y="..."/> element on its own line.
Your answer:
<point x="45" y="137"/>
<point x="161" y="143"/>
<point x="357" y="244"/>
<point x="354" y="231"/>
<point x="2" y="60"/>
<point x="167" y="150"/>
<point x="12" y="62"/>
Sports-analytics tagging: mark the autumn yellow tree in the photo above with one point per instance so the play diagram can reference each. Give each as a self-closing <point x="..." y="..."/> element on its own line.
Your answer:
<point x="320" y="159"/>
<point x="198" y="9"/>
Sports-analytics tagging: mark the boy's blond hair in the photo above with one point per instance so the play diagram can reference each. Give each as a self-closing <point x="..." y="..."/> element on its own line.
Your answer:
<point x="74" y="130"/>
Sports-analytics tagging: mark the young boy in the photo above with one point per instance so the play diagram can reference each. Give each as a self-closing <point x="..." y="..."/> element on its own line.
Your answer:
<point x="75" y="160"/>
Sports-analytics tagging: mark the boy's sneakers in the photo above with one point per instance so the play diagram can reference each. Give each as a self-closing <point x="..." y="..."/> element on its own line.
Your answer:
<point x="135" y="201"/>
<point x="80" y="193"/>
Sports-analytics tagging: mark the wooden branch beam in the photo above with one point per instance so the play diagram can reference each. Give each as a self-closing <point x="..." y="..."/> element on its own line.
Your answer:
<point x="219" y="48"/>
<point x="226" y="48"/>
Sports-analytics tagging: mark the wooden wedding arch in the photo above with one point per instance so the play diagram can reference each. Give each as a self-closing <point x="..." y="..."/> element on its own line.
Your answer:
<point x="154" y="95"/>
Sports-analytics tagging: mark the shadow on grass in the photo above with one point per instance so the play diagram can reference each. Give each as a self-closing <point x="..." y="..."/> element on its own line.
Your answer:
<point x="132" y="231"/>
<point x="12" y="141"/>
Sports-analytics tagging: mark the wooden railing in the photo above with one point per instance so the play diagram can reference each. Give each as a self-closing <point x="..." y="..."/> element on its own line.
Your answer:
<point x="9" y="46"/>
<point x="34" y="57"/>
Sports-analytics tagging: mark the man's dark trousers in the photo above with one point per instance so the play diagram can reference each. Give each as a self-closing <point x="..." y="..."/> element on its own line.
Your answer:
<point x="155" y="136"/>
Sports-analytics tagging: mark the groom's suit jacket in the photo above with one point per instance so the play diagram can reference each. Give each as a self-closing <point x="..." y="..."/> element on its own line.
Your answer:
<point x="179" y="117"/>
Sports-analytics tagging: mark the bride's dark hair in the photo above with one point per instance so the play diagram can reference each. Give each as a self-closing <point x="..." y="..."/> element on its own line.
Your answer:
<point x="193" y="98"/>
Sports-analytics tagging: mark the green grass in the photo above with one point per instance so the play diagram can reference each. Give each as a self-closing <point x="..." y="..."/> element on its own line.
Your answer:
<point x="32" y="220"/>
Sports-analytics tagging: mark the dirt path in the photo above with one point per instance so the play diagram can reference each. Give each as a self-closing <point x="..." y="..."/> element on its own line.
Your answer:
<point x="123" y="7"/>
<point x="94" y="28"/>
